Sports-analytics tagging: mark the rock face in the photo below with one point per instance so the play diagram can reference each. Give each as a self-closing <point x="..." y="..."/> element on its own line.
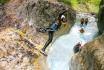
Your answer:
<point x="2" y="13"/>
<point x="20" y="18"/>
<point x="37" y="13"/>
<point x="12" y="54"/>
<point x="101" y="17"/>
<point x="43" y="12"/>
<point x="91" y="56"/>
<point x="4" y="19"/>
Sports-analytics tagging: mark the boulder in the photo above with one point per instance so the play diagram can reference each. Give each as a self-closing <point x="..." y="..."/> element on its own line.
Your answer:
<point x="91" y="57"/>
<point x="43" y="12"/>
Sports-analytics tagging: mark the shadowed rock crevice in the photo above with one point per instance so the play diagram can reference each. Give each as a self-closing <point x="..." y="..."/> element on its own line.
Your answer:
<point x="101" y="17"/>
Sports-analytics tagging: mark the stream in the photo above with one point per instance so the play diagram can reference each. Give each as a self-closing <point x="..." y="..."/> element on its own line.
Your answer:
<point x="61" y="50"/>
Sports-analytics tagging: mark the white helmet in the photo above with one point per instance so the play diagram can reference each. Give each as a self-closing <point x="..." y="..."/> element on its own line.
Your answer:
<point x="62" y="16"/>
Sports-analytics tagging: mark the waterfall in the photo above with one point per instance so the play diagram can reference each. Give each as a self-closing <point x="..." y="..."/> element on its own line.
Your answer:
<point x="61" y="50"/>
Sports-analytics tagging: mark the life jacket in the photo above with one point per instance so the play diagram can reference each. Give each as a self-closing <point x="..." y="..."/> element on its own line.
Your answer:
<point x="54" y="26"/>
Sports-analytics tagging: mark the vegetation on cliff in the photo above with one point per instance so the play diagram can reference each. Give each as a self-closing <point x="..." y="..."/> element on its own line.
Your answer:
<point x="83" y="5"/>
<point x="3" y="1"/>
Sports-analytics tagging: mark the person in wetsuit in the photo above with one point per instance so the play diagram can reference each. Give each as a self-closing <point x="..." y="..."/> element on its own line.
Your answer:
<point x="82" y="30"/>
<point x="82" y="21"/>
<point x="77" y="47"/>
<point x="86" y="21"/>
<point x="52" y="28"/>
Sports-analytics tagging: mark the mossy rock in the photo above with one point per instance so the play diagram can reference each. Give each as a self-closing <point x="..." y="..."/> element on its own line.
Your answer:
<point x="3" y="1"/>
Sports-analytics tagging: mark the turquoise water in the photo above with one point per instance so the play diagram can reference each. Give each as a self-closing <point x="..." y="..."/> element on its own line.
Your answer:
<point x="61" y="50"/>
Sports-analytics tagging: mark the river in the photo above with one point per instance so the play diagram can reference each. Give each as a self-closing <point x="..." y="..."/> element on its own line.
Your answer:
<point x="61" y="50"/>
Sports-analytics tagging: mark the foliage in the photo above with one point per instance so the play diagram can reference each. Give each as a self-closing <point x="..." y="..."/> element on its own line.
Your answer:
<point x="3" y="1"/>
<point x="83" y="5"/>
<point x="65" y="1"/>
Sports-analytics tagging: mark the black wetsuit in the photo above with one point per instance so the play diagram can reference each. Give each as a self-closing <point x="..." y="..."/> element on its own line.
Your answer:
<point x="51" y="29"/>
<point x="86" y="21"/>
<point x="77" y="48"/>
<point x="54" y="27"/>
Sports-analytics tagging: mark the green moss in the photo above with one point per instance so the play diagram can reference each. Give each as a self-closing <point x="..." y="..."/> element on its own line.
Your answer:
<point x="65" y="1"/>
<point x="3" y="1"/>
<point x="83" y="5"/>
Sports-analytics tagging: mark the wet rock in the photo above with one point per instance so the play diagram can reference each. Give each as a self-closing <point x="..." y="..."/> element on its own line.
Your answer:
<point x="2" y="14"/>
<point x="91" y="56"/>
<point x="13" y="54"/>
<point x="43" y="12"/>
<point x="101" y="17"/>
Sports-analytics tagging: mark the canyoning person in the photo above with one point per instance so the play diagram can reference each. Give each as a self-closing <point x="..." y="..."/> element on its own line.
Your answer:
<point x="86" y="21"/>
<point x="81" y="30"/>
<point x="77" y="47"/>
<point x="82" y="21"/>
<point x="52" y="28"/>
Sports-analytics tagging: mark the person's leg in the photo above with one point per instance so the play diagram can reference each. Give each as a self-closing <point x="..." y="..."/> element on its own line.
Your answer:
<point x="50" y="33"/>
<point x="42" y="30"/>
<point x="82" y="23"/>
<point x="86" y="22"/>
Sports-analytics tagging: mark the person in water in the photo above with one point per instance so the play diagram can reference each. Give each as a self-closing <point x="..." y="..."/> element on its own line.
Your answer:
<point x="77" y="47"/>
<point x="81" y="30"/>
<point x="52" y="28"/>
<point x="86" y="21"/>
<point x="82" y="21"/>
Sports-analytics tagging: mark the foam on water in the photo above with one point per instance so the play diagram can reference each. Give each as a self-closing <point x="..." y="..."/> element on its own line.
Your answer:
<point x="62" y="49"/>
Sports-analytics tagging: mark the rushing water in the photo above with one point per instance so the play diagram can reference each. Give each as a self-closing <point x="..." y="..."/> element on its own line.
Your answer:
<point x="61" y="51"/>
